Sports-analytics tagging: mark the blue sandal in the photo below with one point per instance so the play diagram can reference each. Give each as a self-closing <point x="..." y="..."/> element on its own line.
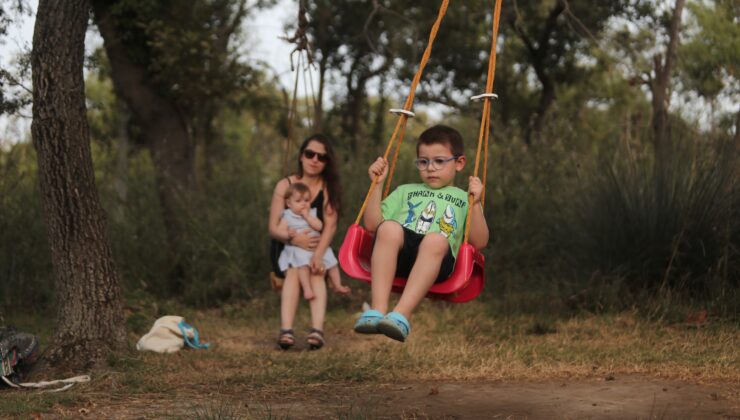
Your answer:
<point x="368" y="322"/>
<point x="395" y="326"/>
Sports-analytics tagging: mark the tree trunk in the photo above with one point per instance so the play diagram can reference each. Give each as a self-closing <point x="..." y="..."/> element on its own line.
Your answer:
<point x="123" y="148"/>
<point x="547" y="97"/>
<point x="539" y="54"/>
<point x="89" y="311"/>
<point x="378" y="135"/>
<point x="736" y="137"/>
<point x="318" y="112"/>
<point x="353" y="114"/>
<point x="163" y="131"/>
<point x="659" y="88"/>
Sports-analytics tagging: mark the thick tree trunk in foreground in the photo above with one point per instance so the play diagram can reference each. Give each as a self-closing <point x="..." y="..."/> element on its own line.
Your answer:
<point x="90" y="315"/>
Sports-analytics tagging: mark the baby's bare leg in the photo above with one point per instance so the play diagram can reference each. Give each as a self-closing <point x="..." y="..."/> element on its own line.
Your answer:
<point x="432" y="251"/>
<point x="303" y="277"/>
<point x="388" y="242"/>
<point x="336" y="281"/>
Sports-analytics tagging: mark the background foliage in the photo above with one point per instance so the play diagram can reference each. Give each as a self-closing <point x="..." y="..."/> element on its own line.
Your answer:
<point x="579" y="220"/>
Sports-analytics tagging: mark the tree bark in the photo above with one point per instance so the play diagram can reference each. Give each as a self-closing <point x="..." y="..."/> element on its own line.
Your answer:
<point x="89" y="311"/>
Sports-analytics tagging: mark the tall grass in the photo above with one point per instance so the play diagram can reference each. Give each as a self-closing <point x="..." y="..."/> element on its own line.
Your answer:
<point x="660" y="228"/>
<point x="225" y="238"/>
<point x="25" y="263"/>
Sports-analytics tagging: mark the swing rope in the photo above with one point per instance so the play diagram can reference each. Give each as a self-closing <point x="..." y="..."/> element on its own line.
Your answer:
<point x="292" y="111"/>
<point x="304" y="64"/>
<point x="400" y="130"/>
<point x="484" y="132"/>
<point x="485" y="123"/>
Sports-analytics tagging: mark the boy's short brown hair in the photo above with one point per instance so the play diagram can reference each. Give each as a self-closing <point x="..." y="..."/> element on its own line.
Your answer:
<point x="296" y="187"/>
<point x="442" y="134"/>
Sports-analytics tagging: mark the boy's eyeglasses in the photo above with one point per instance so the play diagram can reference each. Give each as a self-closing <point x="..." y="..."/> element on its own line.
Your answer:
<point x="435" y="163"/>
<point x="310" y="154"/>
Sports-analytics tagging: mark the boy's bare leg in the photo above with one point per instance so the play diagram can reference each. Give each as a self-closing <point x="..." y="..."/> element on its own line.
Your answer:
<point x="388" y="242"/>
<point x="289" y="297"/>
<point x="303" y="276"/>
<point x="432" y="251"/>
<point x="336" y="281"/>
<point x="318" y="303"/>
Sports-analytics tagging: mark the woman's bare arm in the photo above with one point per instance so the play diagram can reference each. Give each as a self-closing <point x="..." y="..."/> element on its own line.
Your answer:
<point x="276" y="210"/>
<point x="327" y="235"/>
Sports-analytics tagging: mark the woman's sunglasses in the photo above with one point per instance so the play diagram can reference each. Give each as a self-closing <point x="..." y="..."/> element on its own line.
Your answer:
<point x="310" y="154"/>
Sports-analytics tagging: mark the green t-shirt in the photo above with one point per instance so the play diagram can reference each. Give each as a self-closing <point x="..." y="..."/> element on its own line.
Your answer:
<point x="423" y="210"/>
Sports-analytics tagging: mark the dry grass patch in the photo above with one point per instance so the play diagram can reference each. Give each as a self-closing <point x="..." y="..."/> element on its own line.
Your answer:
<point x="448" y="342"/>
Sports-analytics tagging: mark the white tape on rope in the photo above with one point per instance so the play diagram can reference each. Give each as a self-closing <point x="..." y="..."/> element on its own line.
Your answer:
<point x="402" y="111"/>
<point x="483" y="95"/>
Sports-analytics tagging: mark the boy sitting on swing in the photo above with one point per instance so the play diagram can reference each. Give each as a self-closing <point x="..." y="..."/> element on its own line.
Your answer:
<point x="418" y="230"/>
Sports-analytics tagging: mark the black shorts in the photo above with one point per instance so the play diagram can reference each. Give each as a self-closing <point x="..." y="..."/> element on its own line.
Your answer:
<point x="408" y="252"/>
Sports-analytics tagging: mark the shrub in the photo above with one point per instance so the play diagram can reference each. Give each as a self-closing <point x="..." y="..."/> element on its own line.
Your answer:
<point x="25" y="263"/>
<point x="660" y="226"/>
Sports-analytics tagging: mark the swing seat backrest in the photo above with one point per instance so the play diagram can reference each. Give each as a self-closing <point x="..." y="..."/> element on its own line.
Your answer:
<point x="464" y="284"/>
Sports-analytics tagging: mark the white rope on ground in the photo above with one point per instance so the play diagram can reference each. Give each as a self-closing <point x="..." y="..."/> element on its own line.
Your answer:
<point x="68" y="383"/>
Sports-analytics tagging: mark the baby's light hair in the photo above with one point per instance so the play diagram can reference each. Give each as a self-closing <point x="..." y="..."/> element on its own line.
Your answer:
<point x="296" y="187"/>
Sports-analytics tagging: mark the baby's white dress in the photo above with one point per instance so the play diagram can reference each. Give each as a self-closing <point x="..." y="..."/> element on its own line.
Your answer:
<point x="293" y="256"/>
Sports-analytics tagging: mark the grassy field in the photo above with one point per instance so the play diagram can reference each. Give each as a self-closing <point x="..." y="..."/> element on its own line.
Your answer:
<point x="464" y="343"/>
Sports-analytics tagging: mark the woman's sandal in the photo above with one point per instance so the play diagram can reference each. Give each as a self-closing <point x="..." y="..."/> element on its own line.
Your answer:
<point x="315" y="339"/>
<point x="395" y="326"/>
<point x="286" y="339"/>
<point x="368" y="322"/>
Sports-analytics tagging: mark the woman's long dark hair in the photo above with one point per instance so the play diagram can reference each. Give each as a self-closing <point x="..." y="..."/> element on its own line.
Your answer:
<point x="330" y="173"/>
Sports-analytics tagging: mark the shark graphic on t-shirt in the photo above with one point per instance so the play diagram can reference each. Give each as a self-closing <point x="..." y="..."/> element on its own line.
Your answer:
<point x="410" y="215"/>
<point x="447" y="223"/>
<point x="426" y="218"/>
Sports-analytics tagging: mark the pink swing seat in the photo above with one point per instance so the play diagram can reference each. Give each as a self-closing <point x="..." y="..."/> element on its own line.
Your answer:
<point x="464" y="284"/>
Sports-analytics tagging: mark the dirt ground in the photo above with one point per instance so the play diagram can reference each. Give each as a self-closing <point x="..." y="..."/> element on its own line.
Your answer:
<point x="620" y="398"/>
<point x="632" y="397"/>
<point x="225" y="382"/>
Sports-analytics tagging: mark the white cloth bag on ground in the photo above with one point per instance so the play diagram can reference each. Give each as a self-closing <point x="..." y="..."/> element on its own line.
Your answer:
<point x="169" y="334"/>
